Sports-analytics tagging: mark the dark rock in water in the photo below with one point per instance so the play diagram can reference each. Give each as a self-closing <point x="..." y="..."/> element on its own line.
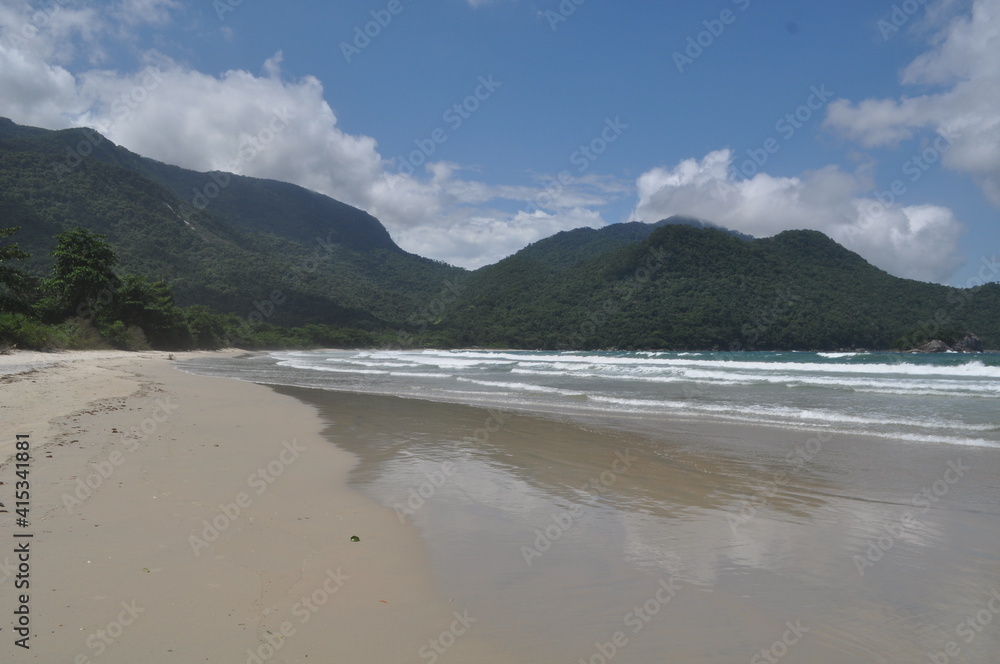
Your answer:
<point x="970" y="344"/>
<point x="936" y="346"/>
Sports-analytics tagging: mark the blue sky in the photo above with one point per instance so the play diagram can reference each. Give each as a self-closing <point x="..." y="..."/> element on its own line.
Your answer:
<point x="474" y="127"/>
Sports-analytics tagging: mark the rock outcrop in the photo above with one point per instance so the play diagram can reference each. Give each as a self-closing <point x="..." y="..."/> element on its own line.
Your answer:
<point x="936" y="346"/>
<point x="970" y="343"/>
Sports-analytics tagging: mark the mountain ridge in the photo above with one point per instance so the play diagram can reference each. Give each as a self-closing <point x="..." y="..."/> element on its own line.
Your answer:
<point x="342" y="265"/>
<point x="677" y="283"/>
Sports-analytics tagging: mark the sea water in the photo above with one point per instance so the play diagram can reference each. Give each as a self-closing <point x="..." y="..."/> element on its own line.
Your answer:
<point x="948" y="398"/>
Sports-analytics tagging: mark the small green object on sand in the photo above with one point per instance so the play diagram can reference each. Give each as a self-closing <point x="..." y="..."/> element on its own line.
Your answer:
<point x="355" y="538"/>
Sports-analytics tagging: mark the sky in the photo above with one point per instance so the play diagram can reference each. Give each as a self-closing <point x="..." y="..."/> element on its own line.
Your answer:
<point x="471" y="128"/>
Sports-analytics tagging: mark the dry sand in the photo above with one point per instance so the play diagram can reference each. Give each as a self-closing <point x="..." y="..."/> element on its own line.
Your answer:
<point x="129" y="570"/>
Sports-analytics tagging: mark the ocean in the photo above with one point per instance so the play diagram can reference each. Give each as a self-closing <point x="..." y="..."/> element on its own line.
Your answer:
<point x="949" y="398"/>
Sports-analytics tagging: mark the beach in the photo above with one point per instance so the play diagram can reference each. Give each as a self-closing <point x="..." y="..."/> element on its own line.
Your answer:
<point x="118" y="571"/>
<point x="217" y="526"/>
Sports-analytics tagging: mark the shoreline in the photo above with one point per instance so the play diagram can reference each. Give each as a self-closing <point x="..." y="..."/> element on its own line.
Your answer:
<point x="543" y="540"/>
<point x="186" y="518"/>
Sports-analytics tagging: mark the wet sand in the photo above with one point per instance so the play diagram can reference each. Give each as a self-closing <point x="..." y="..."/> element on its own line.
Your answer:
<point x="687" y="541"/>
<point x="485" y="536"/>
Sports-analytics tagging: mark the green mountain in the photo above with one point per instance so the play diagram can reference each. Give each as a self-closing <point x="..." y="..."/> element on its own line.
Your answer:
<point x="245" y="245"/>
<point x="289" y="256"/>
<point x="688" y="287"/>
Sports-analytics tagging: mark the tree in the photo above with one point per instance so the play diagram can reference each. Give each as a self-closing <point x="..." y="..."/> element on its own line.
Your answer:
<point x="83" y="275"/>
<point x="150" y="307"/>
<point x="12" y="281"/>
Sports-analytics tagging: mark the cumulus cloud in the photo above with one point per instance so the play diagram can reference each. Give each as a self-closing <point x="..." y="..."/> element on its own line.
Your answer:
<point x="917" y="242"/>
<point x="266" y="125"/>
<point x="964" y="64"/>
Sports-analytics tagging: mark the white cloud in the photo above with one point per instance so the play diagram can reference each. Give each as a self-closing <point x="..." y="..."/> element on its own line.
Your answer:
<point x="269" y="126"/>
<point x="918" y="242"/>
<point x="965" y="62"/>
<point x="488" y="239"/>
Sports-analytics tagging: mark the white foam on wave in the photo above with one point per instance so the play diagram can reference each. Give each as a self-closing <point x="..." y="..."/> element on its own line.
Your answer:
<point x="780" y="414"/>
<point x="527" y="387"/>
<point x="558" y="380"/>
<point x="576" y="361"/>
<point x="859" y="384"/>
<point x="371" y="363"/>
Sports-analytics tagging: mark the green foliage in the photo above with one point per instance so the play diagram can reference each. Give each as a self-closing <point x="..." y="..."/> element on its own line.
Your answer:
<point x="685" y="287"/>
<point x="82" y="273"/>
<point x="28" y="333"/>
<point x="24" y="332"/>
<point x="333" y="264"/>
<point x="266" y="336"/>
<point x="125" y="337"/>
<point x="206" y="329"/>
<point x="13" y="282"/>
<point x="149" y="307"/>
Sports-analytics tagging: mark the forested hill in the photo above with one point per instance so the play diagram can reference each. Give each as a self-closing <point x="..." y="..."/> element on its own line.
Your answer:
<point x="230" y="242"/>
<point x="684" y="287"/>
<point x="221" y="240"/>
